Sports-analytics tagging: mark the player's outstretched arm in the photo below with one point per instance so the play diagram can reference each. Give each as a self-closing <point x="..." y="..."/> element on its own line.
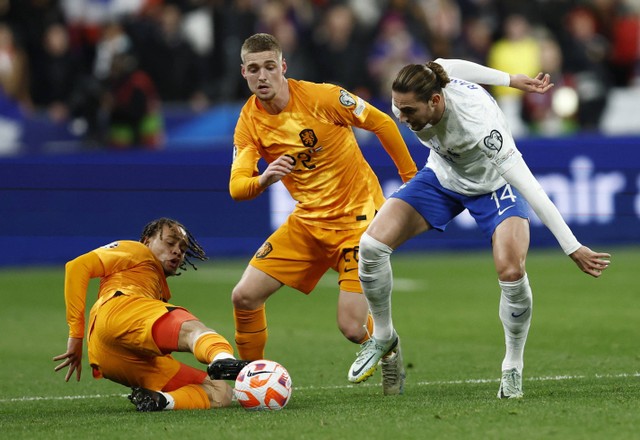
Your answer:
<point x="590" y="262"/>
<point x="480" y="74"/>
<point x="72" y="358"/>
<point x="540" y="84"/>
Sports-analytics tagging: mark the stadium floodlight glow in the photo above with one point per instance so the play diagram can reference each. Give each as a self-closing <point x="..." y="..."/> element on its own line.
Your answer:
<point x="565" y="102"/>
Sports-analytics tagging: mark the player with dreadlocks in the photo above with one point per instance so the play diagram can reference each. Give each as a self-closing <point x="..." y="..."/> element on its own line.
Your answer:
<point x="193" y="247"/>
<point x="133" y="329"/>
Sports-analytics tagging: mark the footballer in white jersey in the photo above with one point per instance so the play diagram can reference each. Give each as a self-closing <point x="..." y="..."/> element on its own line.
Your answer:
<point x="474" y="146"/>
<point x="475" y="165"/>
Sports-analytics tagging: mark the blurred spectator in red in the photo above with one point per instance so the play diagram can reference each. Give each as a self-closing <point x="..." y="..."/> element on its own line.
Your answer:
<point x="87" y="19"/>
<point x="133" y="105"/>
<point x="625" y="51"/>
<point x="586" y="53"/>
<point x="392" y="49"/>
<point x="55" y="74"/>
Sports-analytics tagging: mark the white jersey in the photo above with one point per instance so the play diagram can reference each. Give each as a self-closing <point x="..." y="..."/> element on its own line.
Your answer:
<point x="473" y="151"/>
<point x="472" y="141"/>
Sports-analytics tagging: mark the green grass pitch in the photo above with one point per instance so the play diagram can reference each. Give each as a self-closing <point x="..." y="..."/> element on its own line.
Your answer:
<point x="581" y="377"/>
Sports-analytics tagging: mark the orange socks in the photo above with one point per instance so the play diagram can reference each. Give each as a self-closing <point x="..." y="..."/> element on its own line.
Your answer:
<point x="251" y="332"/>
<point x="369" y="329"/>
<point x="190" y="397"/>
<point x="208" y="345"/>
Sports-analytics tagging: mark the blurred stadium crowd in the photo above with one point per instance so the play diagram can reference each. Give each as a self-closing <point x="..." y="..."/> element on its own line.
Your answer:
<point x="114" y="66"/>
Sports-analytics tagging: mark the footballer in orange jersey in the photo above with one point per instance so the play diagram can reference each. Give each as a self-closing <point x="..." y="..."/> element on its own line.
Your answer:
<point x="133" y="328"/>
<point x="304" y="132"/>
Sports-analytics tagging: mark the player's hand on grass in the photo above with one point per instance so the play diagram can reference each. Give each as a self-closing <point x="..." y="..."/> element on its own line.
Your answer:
<point x="277" y="170"/>
<point x="590" y="262"/>
<point x="540" y="84"/>
<point x="72" y="359"/>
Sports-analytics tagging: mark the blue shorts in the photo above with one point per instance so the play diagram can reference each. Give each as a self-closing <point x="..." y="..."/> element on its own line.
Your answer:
<point x="439" y="205"/>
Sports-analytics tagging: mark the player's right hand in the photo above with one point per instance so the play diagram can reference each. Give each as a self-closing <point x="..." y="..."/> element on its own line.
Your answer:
<point x="276" y="170"/>
<point x="72" y="358"/>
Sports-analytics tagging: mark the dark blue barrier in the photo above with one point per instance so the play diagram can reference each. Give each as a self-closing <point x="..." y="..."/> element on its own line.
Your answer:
<point x="55" y="207"/>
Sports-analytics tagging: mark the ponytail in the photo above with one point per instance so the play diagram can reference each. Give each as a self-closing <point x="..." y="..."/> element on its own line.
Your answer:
<point x="421" y="79"/>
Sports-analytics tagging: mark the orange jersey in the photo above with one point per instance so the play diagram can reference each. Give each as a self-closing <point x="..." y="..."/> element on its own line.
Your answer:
<point x="335" y="188"/>
<point x="125" y="266"/>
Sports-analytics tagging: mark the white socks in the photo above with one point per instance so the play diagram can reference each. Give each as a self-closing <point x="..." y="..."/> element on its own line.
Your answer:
<point x="516" y="302"/>
<point x="376" y="279"/>
<point x="222" y="356"/>
<point x="170" y="401"/>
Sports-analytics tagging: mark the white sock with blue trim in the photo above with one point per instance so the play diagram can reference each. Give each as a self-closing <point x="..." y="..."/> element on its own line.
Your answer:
<point x="516" y="303"/>
<point x="376" y="278"/>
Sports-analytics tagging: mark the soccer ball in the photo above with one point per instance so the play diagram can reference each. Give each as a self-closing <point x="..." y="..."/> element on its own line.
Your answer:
<point x="263" y="384"/>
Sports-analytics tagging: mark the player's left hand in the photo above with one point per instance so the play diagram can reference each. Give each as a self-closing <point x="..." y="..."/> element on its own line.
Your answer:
<point x="590" y="262"/>
<point x="540" y="84"/>
<point x="72" y="358"/>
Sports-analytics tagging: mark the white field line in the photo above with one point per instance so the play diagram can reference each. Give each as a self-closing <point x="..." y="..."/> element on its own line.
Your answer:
<point x="337" y="387"/>
<point x="477" y="381"/>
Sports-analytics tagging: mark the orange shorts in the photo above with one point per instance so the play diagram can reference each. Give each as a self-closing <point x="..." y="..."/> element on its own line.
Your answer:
<point x="298" y="254"/>
<point x="122" y="348"/>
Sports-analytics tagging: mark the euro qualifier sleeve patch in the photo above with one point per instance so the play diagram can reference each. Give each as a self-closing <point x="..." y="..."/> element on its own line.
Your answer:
<point x="493" y="141"/>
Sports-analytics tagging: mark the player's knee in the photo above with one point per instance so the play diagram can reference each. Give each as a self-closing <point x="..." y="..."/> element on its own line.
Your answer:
<point x="511" y="273"/>
<point x="191" y="333"/>
<point x="511" y="268"/>
<point x="191" y="330"/>
<point x="239" y="298"/>
<point x="372" y="252"/>
<point x="243" y="299"/>
<point x="352" y="330"/>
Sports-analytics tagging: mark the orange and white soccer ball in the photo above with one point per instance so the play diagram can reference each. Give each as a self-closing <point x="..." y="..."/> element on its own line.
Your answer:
<point x="263" y="385"/>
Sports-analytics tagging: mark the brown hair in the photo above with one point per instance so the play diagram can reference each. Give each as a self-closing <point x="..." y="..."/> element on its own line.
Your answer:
<point x="261" y="43"/>
<point x="421" y="79"/>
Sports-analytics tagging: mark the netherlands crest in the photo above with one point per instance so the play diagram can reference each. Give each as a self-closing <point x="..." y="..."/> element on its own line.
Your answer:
<point x="264" y="250"/>
<point x="308" y="138"/>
